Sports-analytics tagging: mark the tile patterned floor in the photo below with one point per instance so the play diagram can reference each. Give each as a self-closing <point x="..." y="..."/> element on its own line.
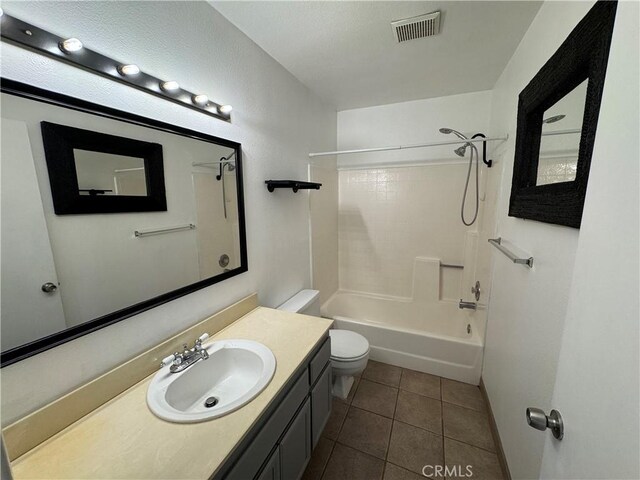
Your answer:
<point x="395" y="421"/>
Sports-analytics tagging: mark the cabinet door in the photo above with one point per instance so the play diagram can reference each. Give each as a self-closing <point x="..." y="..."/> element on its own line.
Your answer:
<point x="295" y="447"/>
<point x="320" y="404"/>
<point x="272" y="470"/>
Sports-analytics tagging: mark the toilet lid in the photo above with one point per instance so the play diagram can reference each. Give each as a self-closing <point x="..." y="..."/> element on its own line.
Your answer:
<point x="347" y="344"/>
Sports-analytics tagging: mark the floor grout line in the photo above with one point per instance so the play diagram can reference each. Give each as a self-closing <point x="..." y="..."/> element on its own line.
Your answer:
<point x="324" y="468"/>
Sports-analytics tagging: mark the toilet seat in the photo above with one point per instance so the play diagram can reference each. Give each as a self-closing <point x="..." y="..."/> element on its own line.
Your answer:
<point x="348" y="346"/>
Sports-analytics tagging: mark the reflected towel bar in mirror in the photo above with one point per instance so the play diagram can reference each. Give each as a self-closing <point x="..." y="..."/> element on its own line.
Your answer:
<point x="158" y="231"/>
<point x="497" y="242"/>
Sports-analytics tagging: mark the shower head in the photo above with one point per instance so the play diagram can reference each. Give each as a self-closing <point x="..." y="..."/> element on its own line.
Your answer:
<point x="554" y="119"/>
<point x="460" y="151"/>
<point x="447" y="131"/>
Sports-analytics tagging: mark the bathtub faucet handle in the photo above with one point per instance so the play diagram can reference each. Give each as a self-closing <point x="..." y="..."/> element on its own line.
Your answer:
<point x="476" y="290"/>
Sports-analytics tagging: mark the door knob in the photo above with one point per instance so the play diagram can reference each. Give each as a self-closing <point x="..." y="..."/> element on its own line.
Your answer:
<point x="537" y="419"/>
<point x="49" y="287"/>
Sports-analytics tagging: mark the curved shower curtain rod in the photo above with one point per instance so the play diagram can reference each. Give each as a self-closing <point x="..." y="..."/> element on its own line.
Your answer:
<point x="403" y="147"/>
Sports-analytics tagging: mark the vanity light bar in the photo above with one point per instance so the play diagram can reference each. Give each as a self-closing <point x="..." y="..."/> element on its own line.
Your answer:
<point x="72" y="52"/>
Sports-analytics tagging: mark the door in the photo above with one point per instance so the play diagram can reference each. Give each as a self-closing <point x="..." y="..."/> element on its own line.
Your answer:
<point x="596" y="387"/>
<point x="28" y="313"/>
<point x="271" y="471"/>
<point x="295" y="447"/>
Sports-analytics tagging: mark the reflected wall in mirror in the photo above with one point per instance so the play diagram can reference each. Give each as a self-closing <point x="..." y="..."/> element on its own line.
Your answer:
<point x="560" y="139"/>
<point x="108" y="174"/>
<point x="67" y="275"/>
<point x="557" y="121"/>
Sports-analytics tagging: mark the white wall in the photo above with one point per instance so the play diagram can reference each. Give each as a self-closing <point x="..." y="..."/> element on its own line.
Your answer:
<point x="597" y="382"/>
<point x="277" y="120"/>
<point x="528" y="307"/>
<point x="410" y="123"/>
<point x="398" y="205"/>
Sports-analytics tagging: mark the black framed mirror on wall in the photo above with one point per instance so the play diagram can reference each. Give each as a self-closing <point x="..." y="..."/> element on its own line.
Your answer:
<point x="93" y="172"/>
<point x="557" y="121"/>
<point x="151" y="212"/>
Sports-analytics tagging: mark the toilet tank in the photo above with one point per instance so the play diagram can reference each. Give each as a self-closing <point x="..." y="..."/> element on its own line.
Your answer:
<point x="306" y="302"/>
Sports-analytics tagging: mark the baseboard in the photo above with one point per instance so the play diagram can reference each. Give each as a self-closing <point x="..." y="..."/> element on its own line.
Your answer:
<point x="496" y="436"/>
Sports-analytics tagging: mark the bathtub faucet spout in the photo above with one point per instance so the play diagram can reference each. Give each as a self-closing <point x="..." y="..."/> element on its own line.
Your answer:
<point x="469" y="305"/>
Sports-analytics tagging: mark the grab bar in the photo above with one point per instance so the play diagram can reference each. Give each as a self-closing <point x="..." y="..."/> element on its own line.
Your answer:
<point x="158" y="231"/>
<point x="497" y="242"/>
<point x="451" y="265"/>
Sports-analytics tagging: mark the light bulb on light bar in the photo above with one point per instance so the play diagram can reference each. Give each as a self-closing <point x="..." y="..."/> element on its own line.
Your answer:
<point x="225" y="109"/>
<point x="169" y="86"/>
<point x="70" y="45"/>
<point x="200" y="99"/>
<point x="127" y="70"/>
<point x="1" y="12"/>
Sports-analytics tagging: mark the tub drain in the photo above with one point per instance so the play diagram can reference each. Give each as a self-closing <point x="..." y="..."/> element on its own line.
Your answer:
<point x="211" y="402"/>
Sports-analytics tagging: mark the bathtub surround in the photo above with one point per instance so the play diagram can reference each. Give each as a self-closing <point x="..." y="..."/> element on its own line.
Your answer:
<point x="276" y="119"/>
<point x="389" y="216"/>
<point x="588" y="363"/>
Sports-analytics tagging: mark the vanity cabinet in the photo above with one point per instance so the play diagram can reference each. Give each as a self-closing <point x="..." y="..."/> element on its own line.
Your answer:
<point x="271" y="471"/>
<point x="280" y="447"/>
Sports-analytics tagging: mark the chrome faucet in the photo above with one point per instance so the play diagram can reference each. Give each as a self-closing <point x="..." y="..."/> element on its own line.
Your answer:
<point x="182" y="360"/>
<point x="469" y="305"/>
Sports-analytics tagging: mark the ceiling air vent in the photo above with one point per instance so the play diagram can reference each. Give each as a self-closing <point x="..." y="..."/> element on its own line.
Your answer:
<point x="416" y="27"/>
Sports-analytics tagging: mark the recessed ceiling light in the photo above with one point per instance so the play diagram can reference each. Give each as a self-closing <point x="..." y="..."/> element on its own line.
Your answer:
<point x="226" y="109"/>
<point x="70" y="45"/>
<point x="128" y="70"/>
<point x="169" y="86"/>
<point x="200" y="99"/>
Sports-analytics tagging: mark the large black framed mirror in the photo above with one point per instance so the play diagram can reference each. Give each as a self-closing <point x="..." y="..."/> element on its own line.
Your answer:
<point x="557" y="121"/>
<point x="64" y="276"/>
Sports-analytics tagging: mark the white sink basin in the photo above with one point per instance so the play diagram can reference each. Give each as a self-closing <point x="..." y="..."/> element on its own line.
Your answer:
<point x="235" y="372"/>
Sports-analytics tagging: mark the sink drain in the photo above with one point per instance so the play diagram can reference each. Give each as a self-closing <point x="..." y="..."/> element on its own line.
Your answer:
<point x="211" y="402"/>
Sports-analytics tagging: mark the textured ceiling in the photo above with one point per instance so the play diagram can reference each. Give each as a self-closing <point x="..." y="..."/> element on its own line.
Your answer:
<point x="346" y="52"/>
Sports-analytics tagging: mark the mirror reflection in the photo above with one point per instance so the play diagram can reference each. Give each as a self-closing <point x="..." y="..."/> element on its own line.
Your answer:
<point x="61" y="271"/>
<point x="560" y="140"/>
<point x="102" y="173"/>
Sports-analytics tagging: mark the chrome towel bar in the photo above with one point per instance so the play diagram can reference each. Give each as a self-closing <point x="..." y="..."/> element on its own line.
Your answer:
<point x="497" y="242"/>
<point x="158" y="231"/>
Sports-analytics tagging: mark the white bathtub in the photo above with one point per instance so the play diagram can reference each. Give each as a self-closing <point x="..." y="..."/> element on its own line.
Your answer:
<point x="429" y="337"/>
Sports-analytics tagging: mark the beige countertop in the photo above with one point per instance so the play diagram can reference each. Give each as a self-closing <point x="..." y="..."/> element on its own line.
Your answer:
<point x="123" y="439"/>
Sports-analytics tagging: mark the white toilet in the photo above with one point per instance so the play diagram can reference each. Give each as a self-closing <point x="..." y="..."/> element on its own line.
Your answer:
<point x="349" y="350"/>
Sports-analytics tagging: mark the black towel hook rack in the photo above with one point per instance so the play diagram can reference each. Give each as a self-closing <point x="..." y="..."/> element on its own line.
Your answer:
<point x="488" y="163"/>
